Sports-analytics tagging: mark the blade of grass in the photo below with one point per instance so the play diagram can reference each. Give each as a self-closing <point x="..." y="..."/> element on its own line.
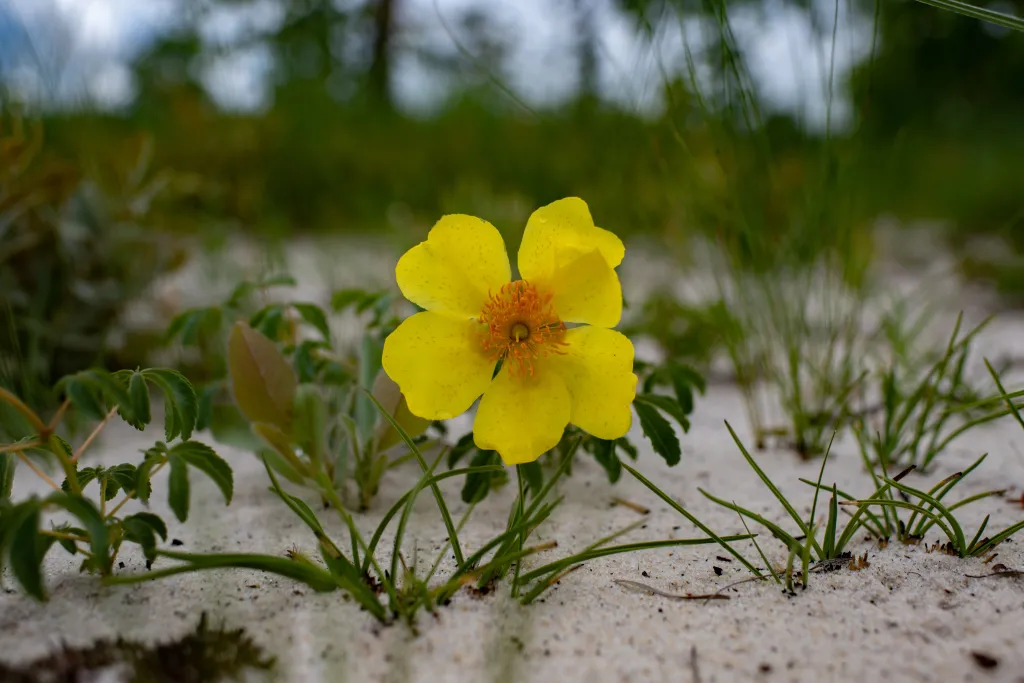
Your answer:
<point x="771" y="487"/>
<point x="441" y="505"/>
<point x="693" y="520"/>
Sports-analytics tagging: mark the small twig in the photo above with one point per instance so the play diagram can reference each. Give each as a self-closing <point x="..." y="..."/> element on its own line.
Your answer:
<point x="1009" y="573"/>
<point x="22" y="446"/>
<point x="638" y="587"/>
<point x="66" y="537"/>
<point x="693" y="664"/>
<point x="636" y="507"/>
<point x="42" y="475"/>
<point x="27" y="412"/>
<point x="92" y="437"/>
<point x="59" y="415"/>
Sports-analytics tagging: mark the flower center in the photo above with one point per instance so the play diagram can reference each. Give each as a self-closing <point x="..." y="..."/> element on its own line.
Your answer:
<point x="520" y="326"/>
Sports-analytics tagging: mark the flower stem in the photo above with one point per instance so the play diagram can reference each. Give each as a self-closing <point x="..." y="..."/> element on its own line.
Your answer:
<point x="42" y="475"/>
<point x="18" y="447"/>
<point x="93" y="435"/>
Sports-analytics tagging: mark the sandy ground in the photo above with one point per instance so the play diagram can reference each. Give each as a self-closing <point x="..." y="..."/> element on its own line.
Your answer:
<point x="911" y="615"/>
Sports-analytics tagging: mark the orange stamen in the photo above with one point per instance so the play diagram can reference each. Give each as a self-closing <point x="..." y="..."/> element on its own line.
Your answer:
<point x="521" y="326"/>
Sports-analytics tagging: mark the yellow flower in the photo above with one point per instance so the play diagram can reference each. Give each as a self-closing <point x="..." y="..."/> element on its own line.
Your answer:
<point x="551" y="375"/>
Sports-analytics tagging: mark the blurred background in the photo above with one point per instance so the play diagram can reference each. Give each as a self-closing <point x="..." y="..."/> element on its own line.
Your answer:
<point x="136" y="134"/>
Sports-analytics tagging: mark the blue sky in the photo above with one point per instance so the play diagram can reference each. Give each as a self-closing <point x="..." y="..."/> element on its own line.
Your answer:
<point x="85" y="53"/>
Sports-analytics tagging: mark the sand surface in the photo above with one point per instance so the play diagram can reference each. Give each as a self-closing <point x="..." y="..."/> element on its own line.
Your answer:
<point x="911" y="615"/>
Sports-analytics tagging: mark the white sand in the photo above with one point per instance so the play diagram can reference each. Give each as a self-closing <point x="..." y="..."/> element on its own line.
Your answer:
<point x="910" y="616"/>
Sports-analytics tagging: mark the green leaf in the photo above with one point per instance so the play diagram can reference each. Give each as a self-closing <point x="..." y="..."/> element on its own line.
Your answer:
<point x="143" y="474"/>
<point x="141" y="533"/>
<point x="206" y="460"/>
<point x="659" y="432"/>
<point x="479" y="484"/>
<point x="154" y="522"/>
<point x="204" y="406"/>
<point x="93" y="522"/>
<point x="84" y="475"/>
<point x="309" y="426"/>
<point x="138" y="393"/>
<point x="604" y="452"/>
<point x="262" y="380"/>
<point x="8" y="463"/>
<point x="462" y="447"/>
<point x="268" y="321"/>
<point x="181" y="407"/>
<point x="315" y="316"/>
<point x="667" y="405"/>
<point x="113" y="390"/>
<point x="26" y="551"/>
<point x="122" y="476"/>
<point x="84" y="398"/>
<point x="345" y="298"/>
<point x="178" y="490"/>
<point x="188" y="325"/>
<point x="624" y="444"/>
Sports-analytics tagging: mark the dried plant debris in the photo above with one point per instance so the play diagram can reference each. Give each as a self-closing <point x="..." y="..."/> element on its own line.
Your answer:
<point x="203" y="656"/>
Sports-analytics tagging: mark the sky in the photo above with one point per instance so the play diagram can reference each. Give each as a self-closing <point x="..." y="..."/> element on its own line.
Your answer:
<point x="87" y="53"/>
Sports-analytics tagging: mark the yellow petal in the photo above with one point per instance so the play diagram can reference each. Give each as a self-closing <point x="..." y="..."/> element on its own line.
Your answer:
<point x="558" y="234"/>
<point x="597" y="368"/>
<point x="522" y="417"/>
<point x="438" y="363"/>
<point x="456" y="269"/>
<point x="586" y="290"/>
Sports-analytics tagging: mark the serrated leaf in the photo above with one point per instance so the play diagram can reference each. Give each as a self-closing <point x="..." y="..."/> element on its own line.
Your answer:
<point x="85" y="399"/>
<point x="659" y="432"/>
<point x="84" y="476"/>
<point x="140" y="414"/>
<point x="206" y="460"/>
<point x="178" y="489"/>
<point x="144" y="472"/>
<point x="315" y="316"/>
<point x="59" y="443"/>
<point x="114" y="391"/>
<point x="668" y="406"/>
<point x="181" y="406"/>
<point x="123" y="476"/>
<point x="262" y="381"/>
<point x="604" y="453"/>
<point x="25" y="551"/>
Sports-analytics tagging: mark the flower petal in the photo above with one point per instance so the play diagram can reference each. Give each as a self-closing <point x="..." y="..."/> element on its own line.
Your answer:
<point x="558" y="234"/>
<point x="438" y="363"/>
<point x="597" y="368"/>
<point x="585" y="290"/>
<point x="522" y="417"/>
<point x="454" y="271"/>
